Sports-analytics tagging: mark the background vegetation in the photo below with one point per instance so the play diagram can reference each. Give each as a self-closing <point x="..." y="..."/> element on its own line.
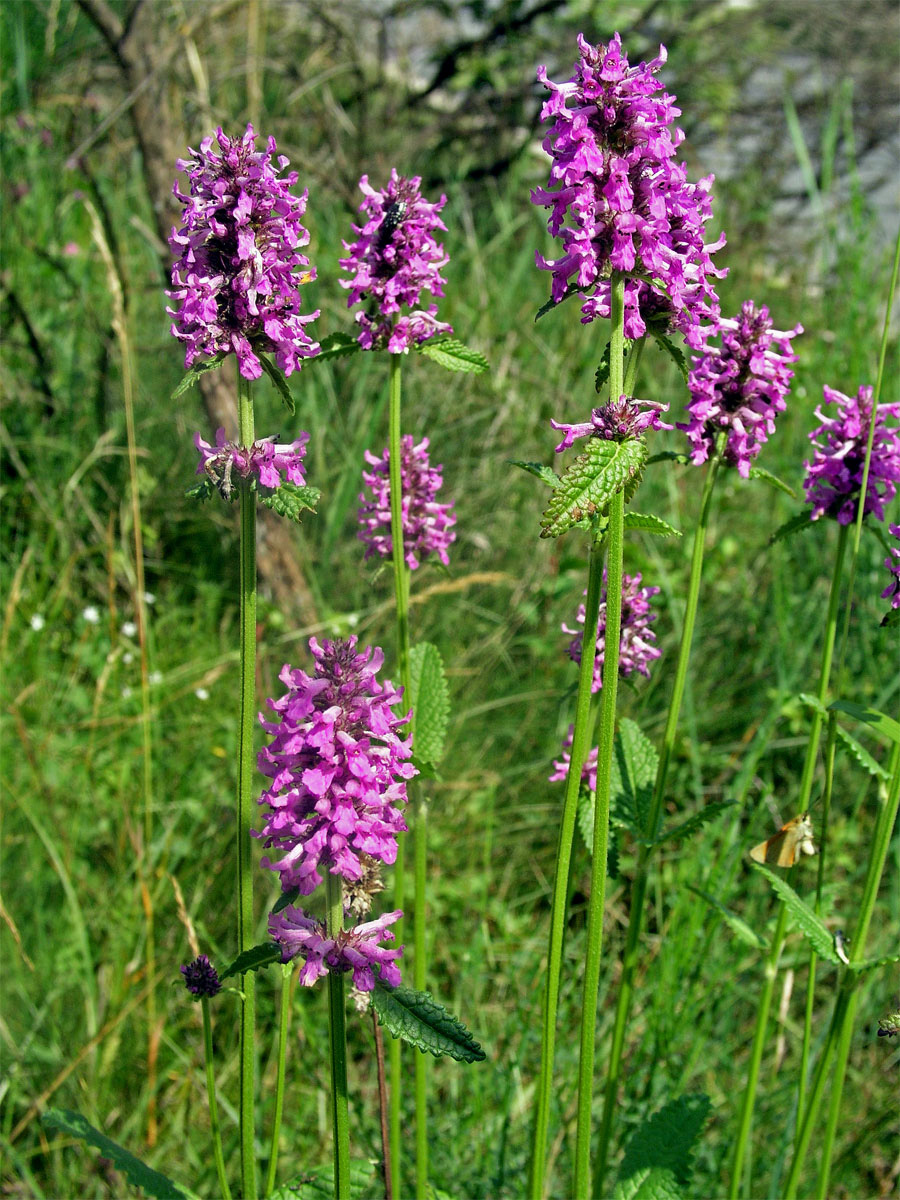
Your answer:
<point x="793" y="104"/>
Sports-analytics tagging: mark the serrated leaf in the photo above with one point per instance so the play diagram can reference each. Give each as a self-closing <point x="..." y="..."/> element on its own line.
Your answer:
<point x="648" y="1183"/>
<point x="871" y="963"/>
<point x="334" y="345"/>
<point x="286" y="898"/>
<point x="632" y="776"/>
<point x="876" y="720"/>
<point x="136" y="1172"/>
<point x="736" y="924"/>
<point x="585" y="816"/>
<point x="417" y="1018"/>
<point x="291" y="501"/>
<point x="708" y="813"/>
<point x="276" y="374"/>
<point x="772" y="481"/>
<point x="674" y="352"/>
<point x="194" y="373"/>
<point x="551" y="303"/>
<point x="545" y="474"/>
<point x="253" y="959"/>
<point x="427" y="770"/>
<point x="811" y="926"/>
<point x="318" y="1183"/>
<point x="601" y="375"/>
<point x="452" y="354"/>
<point x="430" y="700"/>
<point x="604" y="468"/>
<point x="683" y="460"/>
<point x="647" y="523"/>
<point x="666" y="1140"/>
<point x="797" y="524"/>
<point x="861" y="754"/>
<point x="890" y="618"/>
<point x="201" y="491"/>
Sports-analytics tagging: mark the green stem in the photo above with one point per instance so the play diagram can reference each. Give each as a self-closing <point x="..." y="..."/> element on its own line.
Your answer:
<point x="340" y="1115"/>
<point x="211" y="1096"/>
<point x="283" y="1022"/>
<point x="246" y="767"/>
<point x="639" y="888"/>
<point x="420" y="843"/>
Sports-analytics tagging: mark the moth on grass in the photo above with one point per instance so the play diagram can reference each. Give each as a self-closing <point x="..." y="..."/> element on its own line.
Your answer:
<point x="785" y="847"/>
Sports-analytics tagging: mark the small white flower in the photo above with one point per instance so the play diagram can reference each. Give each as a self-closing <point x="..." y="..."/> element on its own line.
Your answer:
<point x="129" y="629"/>
<point x="91" y="615"/>
<point x="201" y="693"/>
<point x="155" y="677"/>
<point x="36" y="622"/>
<point x="149" y="598"/>
<point x="127" y="658"/>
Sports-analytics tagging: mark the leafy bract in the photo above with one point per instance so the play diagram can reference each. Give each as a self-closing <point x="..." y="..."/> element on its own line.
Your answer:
<point x="430" y="701"/>
<point x="550" y="304"/>
<point x="202" y="490"/>
<point x="194" y="373"/>
<point x="736" y="924"/>
<point x="665" y="1142"/>
<point x="254" y="958"/>
<point x="136" y="1172"/>
<point x="674" y="352"/>
<point x="647" y="523"/>
<point x="796" y="524"/>
<point x="545" y="474"/>
<point x="334" y="345"/>
<point x="601" y="375"/>
<point x="877" y="721"/>
<point x="286" y="898"/>
<point x="772" y="481"/>
<point x="276" y="374"/>
<point x="417" y="1018"/>
<point x="291" y="500"/>
<point x="684" y="829"/>
<point x="810" y="925"/>
<point x="451" y="353"/>
<point x="587" y="487"/>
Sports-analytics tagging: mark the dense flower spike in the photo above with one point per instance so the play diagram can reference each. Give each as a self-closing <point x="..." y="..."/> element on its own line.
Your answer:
<point x="265" y="459"/>
<point x="201" y="978"/>
<point x="892" y="562"/>
<point x="619" y="201"/>
<point x="355" y="950"/>
<point x="740" y="387"/>
<point x="625" y="418"/>
<point x="427" y="525"/>
<point x="393" y="260"/>
<point x="338" y="768"/>
<point x="561" y="765"/>
<point x="636" y="638"/>
<point x="834" y="477"/>
<point x="235" y="280"/>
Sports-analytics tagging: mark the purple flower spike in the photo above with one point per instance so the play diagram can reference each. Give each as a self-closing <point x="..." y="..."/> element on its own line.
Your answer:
<point x="427" y="525"/>
<point x="355" y="950"/>
<point x="892" y="562"/>
<point x="834" y="477"/>
<point x="618" y="200"/>
<point x="201" y="978"/>
<point x="614" y="422"/>
<point x="636" y="638"/>
<point x="265" y="459"/>
<point x="338" y="768"/>
<point x="235" y="280"/>
<point x="393" y="260"/>
<point x="561" y="765"/>
<point x="739" y="387"/>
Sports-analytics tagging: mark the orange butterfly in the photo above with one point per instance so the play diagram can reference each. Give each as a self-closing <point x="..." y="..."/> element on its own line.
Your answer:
<point x="786" y="846"/>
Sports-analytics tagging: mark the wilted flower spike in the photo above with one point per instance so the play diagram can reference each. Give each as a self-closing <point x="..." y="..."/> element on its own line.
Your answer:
<point x="740" y="387"/>
<point x="266" y="460"/>
<point x="619" y="201"/>
<point x="636" y="638"/>
<point x="235" y="282"/>
<point x="394" y="259"/>
<point x="355" y="950"/>
<point x="427" y="525"/>
<point x="201" y="978"/>
<point x="625" y="418"/>
<point x="338" y="768"/>
<point x="892" y="562"/>
<point x="834" y="477"/>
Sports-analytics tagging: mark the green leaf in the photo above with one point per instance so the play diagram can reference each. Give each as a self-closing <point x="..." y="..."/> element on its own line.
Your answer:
<point x="605" y="467"/>
<point x="810" y="925"/>
<point x="708" y="813"/>
<point x="666" y="1140"/>
<point x="291" y="501"/>
<point x="416" y="1017"/>
<point x="772" y="481"/>
<point x="547" y="474"/>
<point x="254" y="958"/>
<point x="334" y="345"/>
<point x="683" y="460"/>
<point x="276" y="374"/>
<point x="201" y="491"/>
<point x="318" y="1183"/>
<point x="648" y="1183"/>
<point x="451" y="353"/>
<point x="551" y="303"/>
<point x="890" y="618"/>
<point x="674" y="352"/>
<point x="635" y="762"/>
<point x="430" y="700"/>
<point x="876" y="720"/>
<point x="861" y="754"/>
<point x="136" y="1172"/>
<point x="601" y="375"/>
<point x="797" y="524"/>
<point x="286" y="898"/>
<point x="647" y="523"/>
<point x="871" y="963"/>
<point x="736" y="924"/>
<point x="194" y="373"/>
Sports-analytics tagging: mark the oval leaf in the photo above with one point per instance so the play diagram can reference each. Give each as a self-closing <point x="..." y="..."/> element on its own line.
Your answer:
<point x="604" y="468"/>
<point x="546" y="474"/>
<point x="198" y="369"/>
<point x="334" y="345"/>
<point x="430" y="702"/>
<point x="647" y="523"/>
<point x="454" y="355"/>
<point x="416" y="1017"/>
<point x="252" y="959"/>
<point x="772" y="481"/>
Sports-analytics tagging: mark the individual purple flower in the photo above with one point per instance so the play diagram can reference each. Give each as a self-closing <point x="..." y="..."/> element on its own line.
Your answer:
<point x="739" y="387"/>
<point x="355" y="950"/>
<point x="624" y="418"/>
<point x="393" y="260"/>
<point x="427" y="525"/>
<point x="892" y="562"/>
<point x="201" y="978"/>
<point x="834" y="477"/>
<point x="235" y="281"/>
<point x="619" y="201"/>
<point x="338" y="768"/>
<point x="265" y="459"/>
<point x="561" y="765"/>
<point x="636" y="638"/>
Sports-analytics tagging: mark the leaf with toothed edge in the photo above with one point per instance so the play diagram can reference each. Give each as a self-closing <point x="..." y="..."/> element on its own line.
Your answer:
<point x="597" y="474"/>
<point x="334" y="345"/>
<point x="430" y="701"/>
<point x="736" y="924"/>
<point x="877" y="721"/>
<point x="317" y="1183"/>
<point x="201" y="491"/>
<point x="291" y="501"/>
<point x="664" y="1144"/>
<point x="809" y="923"/>
<point x="545" y="474"/>
<point x="647" y="523"/>
<point x="796" y="524"/>
<point x="194" y="373"/>
<point x="551" y="303"/>
<point x="601" y="375"/>
<point x="276" y="375"/>
<point x="683" y="460"/>
<point x="253" y="959"/>
<point x="416" y="1017"/>
<point x="772" y="481"/>
<point x="674" y="352"/>
<point x="452" y="354"/>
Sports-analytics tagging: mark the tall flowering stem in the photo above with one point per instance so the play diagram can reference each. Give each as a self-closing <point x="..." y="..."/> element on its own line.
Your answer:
<point x="284" y="1013"/>
<point x="211" y="1097"/>
<point x="340" y="1113"/>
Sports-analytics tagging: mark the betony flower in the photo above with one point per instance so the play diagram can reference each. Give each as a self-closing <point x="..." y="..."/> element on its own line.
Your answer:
<point x="355" y="950"/>
<point x="624" y="418"/>
<point x="201" y="978"/>
<point x="561" y="765"/>
<point x="427" y="525"/>
<point x="265" y="459"/>
<point x="636" y="638"/>
<point x="392" y="261"/>
<point x="338" y="767"/>
<point x="619" y="201"/>
<point x="892" y="562"/>
<point x="739" y="387"/>
<point x="834" y="477"/>
<point x="236" y="282"/>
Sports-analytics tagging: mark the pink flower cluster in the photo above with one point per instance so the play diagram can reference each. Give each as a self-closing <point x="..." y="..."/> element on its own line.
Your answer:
<point x="619" y="201"/>
<point x="739" y="387"/>
<point x="235" y="281"/>
<point x="394" y="258"/>
<point x="355" y="949"/>
<point x="561" y="764"/>
<point x="265" y="459"/>
<point x="892" y="562"/>
<point x="427" y="525"/>
<point x="636" y="638"/>
<point x="616" y="421"/>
